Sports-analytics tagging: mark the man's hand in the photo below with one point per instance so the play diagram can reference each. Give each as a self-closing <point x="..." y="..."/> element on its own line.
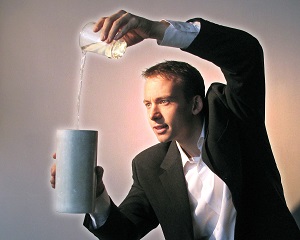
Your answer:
<point x="53" y="172"/>
<point x="99" y="182"/>
<point x="99" y="174"/>
<point x="133" y="29"/>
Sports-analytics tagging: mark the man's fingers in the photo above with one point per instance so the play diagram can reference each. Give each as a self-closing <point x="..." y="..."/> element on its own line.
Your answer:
<point x="111" y="25"/>
<point x="52" y="181"/>
<point x="53" y="169"/>
<point x="53" y="175"/>
<point x="123" y="25"/>
<point x="100" y="186"/>
<point x="99" y="24"/>
<point x="99" y="172"/>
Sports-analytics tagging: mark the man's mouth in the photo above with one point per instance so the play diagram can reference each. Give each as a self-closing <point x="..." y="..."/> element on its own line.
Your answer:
<point x="160" y="128"/>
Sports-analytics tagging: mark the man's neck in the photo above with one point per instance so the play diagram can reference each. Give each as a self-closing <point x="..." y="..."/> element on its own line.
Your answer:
<point x="190" y="151"/>
<point x="190" y="147"/>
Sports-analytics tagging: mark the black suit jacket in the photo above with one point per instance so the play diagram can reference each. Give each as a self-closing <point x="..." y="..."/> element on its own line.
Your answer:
<point x="236" y="148"/>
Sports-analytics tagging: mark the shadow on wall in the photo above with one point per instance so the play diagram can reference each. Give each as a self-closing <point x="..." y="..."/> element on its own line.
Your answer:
<point x="296" y="214"/>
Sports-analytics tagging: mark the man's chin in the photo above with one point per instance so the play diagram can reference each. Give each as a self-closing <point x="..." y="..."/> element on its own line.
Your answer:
<point x="163" y="139"/>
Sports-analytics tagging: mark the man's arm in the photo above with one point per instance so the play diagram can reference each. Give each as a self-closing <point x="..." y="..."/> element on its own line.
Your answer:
<point x="133" y="29"/>
<point x="237" y="53"/>
<point x="133" y="219"/>
<point x="117" y="226"/>
<point x="240" y="57"/>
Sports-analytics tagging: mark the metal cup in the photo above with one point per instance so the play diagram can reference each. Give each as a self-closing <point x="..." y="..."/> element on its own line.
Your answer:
<point x="75" y="171"/>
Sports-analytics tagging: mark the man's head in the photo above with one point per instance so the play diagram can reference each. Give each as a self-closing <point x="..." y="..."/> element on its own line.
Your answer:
<point x="173" y="98"/>
<point x="188" y="77"/>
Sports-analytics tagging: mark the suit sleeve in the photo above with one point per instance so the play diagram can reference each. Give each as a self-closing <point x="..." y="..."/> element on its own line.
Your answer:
<point x="133" y="219"/>
<point x="240" y="57"/>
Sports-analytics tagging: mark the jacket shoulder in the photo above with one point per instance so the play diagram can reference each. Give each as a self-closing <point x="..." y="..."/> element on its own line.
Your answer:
<point x="152" y="156"/>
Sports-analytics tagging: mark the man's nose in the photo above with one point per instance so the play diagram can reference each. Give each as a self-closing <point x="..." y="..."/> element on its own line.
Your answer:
<point x="154" y="113"/>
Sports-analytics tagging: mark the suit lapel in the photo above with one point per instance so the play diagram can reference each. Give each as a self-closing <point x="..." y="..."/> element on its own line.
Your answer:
<point x="173" y="181"/>
<point x="205" y="157"/>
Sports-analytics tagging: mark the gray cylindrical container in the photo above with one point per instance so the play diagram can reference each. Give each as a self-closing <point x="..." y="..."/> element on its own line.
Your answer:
<point x="75" y="171"/>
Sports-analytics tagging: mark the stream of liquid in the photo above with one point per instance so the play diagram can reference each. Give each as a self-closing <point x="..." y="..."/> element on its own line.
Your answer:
<point x="82" y="64"/>
<point x="115" y="50"/>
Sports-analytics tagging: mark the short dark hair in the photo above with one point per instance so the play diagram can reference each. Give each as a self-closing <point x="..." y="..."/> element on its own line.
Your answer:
<point x="183" y="73"/>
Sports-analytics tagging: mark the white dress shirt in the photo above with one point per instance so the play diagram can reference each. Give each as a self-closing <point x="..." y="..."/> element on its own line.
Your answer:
<point x="211" y="204"/>
<point x="212" y="210"/>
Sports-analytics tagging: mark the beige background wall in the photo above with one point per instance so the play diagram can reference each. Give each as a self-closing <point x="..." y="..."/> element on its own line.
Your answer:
<point x="39" y="76"/>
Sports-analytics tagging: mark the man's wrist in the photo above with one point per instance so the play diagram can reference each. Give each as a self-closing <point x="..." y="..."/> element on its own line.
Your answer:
<point x="102" y="209"/>
<point x="158" y="29"/>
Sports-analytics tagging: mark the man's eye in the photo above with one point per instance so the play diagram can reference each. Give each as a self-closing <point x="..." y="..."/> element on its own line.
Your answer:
<point x="164" y="101"/>
<point x="147" y="105"/>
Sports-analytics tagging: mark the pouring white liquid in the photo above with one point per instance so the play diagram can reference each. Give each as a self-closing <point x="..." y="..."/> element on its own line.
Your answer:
<point x="89" y="42"/>
<point x="114" y="50"/>
<point x="80" y="87"/>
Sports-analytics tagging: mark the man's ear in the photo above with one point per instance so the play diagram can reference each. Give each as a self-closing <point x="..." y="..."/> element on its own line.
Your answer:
<point x="197" y="104"/>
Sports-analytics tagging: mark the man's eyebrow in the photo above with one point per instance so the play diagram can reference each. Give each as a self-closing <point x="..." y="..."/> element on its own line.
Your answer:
<point x="160" y="98"/>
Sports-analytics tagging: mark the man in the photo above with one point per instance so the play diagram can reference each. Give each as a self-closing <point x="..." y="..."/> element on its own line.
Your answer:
<point x="213" y="176"/>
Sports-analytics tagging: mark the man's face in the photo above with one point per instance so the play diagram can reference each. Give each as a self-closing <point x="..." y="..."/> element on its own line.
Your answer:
<point x="169" y="114"/>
